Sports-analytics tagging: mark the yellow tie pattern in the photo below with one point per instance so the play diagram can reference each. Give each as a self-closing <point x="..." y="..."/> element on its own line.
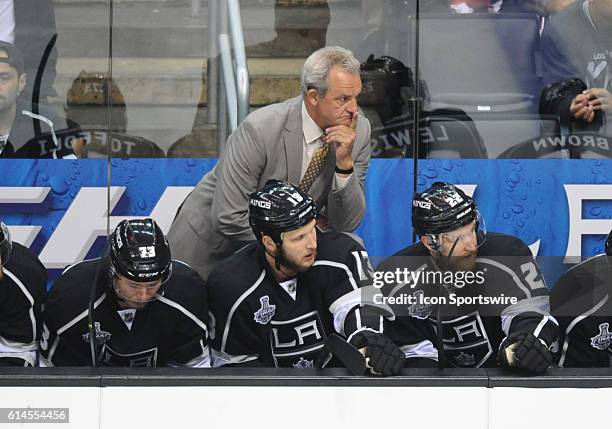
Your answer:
<point x="315" y="167"/>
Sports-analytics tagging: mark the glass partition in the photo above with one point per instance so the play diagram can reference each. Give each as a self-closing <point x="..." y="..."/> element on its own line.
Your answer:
<point x="509" y="100"/>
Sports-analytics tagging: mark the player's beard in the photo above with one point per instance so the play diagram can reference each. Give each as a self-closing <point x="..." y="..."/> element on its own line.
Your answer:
<point x="291" y="265"/>
<point x="463" y="263"/>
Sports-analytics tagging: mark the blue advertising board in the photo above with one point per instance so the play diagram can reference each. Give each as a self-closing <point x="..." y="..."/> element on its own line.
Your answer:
<point x="60" y="208"/>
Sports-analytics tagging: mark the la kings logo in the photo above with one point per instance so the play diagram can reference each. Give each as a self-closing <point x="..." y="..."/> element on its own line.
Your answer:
<point x="266" y="312"/>
<point x="603" y="340"/>
<point x="465" y="341"/>
<point x="465" y="359"/>
<point x="142" y="359"/>
<point x="304" y="363"/>
<point x="296" y="342"/>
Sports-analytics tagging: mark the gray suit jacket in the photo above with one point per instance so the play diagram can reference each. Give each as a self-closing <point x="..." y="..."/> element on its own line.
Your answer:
<point x="214" y="220"/>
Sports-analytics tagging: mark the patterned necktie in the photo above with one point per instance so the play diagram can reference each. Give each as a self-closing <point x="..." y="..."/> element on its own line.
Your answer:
<point x="315" y="167"/>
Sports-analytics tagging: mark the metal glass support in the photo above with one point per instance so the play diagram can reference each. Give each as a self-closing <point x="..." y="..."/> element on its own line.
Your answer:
<point x="196" y="8"/>
<point x="230" y="81"/>
<point x="212" y="68"/>
<point x="234" y="66"/>
<point x="242" y="71"/>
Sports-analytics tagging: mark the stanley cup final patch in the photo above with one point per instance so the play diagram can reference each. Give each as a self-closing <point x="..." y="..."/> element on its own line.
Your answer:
<point x="101" y="336"/>
<point x="266" y="312"/>
<point x="603" y="340"/>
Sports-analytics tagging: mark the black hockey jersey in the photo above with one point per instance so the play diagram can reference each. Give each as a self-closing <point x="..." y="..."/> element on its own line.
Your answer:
<point x="261" y="322"/>
<point x="23" y="284"/>
<point x="581" y="302"/>
<point x="171" y="330"/>
<point x="478" y="307"/>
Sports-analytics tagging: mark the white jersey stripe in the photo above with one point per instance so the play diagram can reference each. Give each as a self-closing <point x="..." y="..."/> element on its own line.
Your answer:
<point x="220" y="359"/>
<point x="574" y="323"/>
<point x="512" y="274"/>
<point x="69" y="267"/>
<point x="52" y="351"/>
<point x="80" y="316"/>
<point x="235" y="306"/>
<point x="344" y="267"/>
<point x="28" y="296"/>
<point x="182" y="310"/>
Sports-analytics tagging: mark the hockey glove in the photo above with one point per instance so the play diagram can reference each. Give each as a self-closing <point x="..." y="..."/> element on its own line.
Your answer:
<point x="382" y="356"/>
<point x="525" y="351"/>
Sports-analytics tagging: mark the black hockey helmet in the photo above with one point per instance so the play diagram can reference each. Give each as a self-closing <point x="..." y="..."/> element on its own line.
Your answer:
<point x="609" y="244"/>
<point x="444" y="208"/>
<point x="6" y="245"/>
<point x="279" y="207"/>
<point x="139" y="251"/>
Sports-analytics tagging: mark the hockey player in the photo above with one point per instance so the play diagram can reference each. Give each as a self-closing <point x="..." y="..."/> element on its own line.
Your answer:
<point x="146" y="309"/>
<point x="277" y="300"/>
<point x="581" y="302"/>
<point x="482" y="295"/>
<point x="23" y="282"/>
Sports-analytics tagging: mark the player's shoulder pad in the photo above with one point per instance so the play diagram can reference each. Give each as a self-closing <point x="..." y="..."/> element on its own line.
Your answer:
<point x="335" y="245"/>
<point x="24" y="262"/>
<point x="69" y="294"/>
<point x="498" y="244"/>
<point x="403" y="257"/>
<point x="184" y="284"/>
<point x="235" y="274"/>
<point x="583" y="279"/>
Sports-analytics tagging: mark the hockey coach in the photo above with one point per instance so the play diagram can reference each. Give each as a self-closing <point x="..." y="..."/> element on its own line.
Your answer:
<point x="276" y="301"/>
<point x="478" y="298"/>
<point x="133" y="307"/>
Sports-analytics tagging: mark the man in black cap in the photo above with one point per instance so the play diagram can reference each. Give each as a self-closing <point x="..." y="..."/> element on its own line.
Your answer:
<point x="482" y="292"/>
<point x="29" y="130"/>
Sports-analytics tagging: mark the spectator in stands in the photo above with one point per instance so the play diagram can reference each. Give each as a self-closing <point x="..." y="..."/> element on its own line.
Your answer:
<point x="29" y="130"/>
<point x="30" y="25"/>
<point x="578" y="65"/>
<point x="300" y="26"/>
<point x="23" y="283"/>
<point x="316" y="139"/>
<point x="483" y="6"/>
<point x="554" y="6"/>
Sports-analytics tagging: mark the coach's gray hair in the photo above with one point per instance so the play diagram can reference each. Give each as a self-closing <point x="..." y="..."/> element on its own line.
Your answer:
<point x="319" y="63"/>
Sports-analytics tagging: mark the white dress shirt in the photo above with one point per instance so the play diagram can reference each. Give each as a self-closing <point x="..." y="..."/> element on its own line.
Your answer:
<point x="312" y="140"/>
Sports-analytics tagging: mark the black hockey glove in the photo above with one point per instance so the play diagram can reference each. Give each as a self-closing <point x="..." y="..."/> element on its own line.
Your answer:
<point x="525" y="351"/>
<point x="382" y="356"/>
